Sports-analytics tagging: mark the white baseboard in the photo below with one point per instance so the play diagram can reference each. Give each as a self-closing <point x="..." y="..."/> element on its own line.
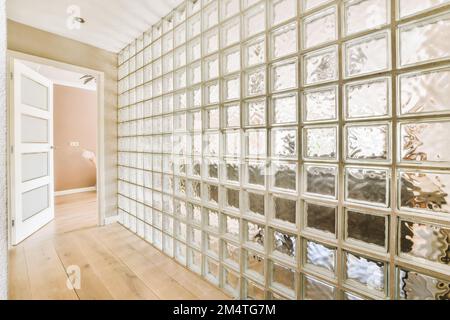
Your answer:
<point x="111" y="220"/>
<point x="73" y="191"/>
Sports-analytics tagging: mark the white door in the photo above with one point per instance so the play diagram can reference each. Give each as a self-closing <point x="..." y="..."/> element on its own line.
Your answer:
<point x="31" y="162"/>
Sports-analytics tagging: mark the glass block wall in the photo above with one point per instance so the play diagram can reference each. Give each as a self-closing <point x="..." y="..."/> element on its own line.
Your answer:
<point x="288" y="149"/>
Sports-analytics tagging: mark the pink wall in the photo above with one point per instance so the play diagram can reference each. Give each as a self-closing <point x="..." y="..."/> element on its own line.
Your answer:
<point x="75" y="120"/>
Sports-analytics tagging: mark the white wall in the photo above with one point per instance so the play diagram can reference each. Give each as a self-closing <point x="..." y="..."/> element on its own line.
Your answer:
<point x="3" y="126"/>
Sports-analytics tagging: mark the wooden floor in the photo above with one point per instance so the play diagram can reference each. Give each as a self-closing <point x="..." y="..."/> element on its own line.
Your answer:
<point x="114" y="263"/>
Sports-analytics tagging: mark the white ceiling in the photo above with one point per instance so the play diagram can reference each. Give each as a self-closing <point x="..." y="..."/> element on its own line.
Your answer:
<point x="60" y="76"/>
<point x="110" y="24"/>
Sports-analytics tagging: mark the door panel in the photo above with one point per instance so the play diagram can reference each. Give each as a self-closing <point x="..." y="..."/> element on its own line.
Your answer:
<point x="32" y="192"/>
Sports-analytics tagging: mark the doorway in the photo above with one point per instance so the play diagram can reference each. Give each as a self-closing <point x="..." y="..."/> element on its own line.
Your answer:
<point x="55" y="151"/>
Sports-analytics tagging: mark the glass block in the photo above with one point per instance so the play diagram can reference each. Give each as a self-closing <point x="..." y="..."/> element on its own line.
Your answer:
<point x="194" y="260"/>
<point x="232" y="226"/>
<point x="255" y="204"/>
<point x="365" y="272"/>
<point x="157" y="69"/>
<point x="194" y="73"/>
<point x="210" y="16"/>
<point x="231" y="60"/>
<point x="180" y="79"/>
<point x="256" y="143"/>
<point x="231" y="32"/>
<point x="180" y="14"/>
<point x="284" y="210"/>
<point x="311" y="4"/>
<point x="284" y="75"/>
<point x="232" y="87"/>
<point x="320" y="28"/>
<point x="284" y="244"/>
<point x="282" y="10"/>
<point x="256" y="173"/>
<point x="425" y="142"/>
<point x="167" y="42"/>
<point x="229" y="8"/>
<point x="195" y="97"/>
<point x="320" y="256"/>
<point x="212" y="168"/>
<point x="180" y="57"/>
<point x="320" y="104"/>
<point x="284" y="143"/>
<point x="232" y="199"/>
<point x="321" y="66"/>
<point x="253" y="291"/>
<point x="365" y="15"/>
<point x="255" y="234"/>
<point x="212" y="117"/>
<point x="254" y="20"/>
<point x="255" y="112"/>
<point x="233" y="143"/>
<point x="411" y="7"/>
<point x="211" y="67"/>
<point x="232" y="171"/>
<point x="424" y="92"/>
<point x="255" y="82"/>
<point x="254" y="264"/>
<point x="194" y="6"/>
<point x="156" y="49"/>
<point x="321" y="181"/>
<point x="231" y="282"/>
<point x="212" y="94"/>
<point x="284" y="175"/>
<point x="284" y="109"/>
<point x="194" y="25"/>
<point x="255" y="52"/>
<point x="212" y="218"/>
<point x="320" y="217"/>
<point x="232" y="115"/>
<point x="195" y="237"/>
<point x="368" y="99"/>
<point x="413" y="285"/>
<point x="368" y="54"/>
<point x="284" y="41"/>
<point x="283" y="277"/>
<point x="211" y="41"/>
<point x="425" y="241"/>
<point x="318" y="290"/>
<point x="367" y="186"/>
<point x="212" y="245"/>
<point x="321" y="143"/>
<point x="368" y="142"/>
<point x="231" y="253"/>
<point x="368" y="228"/>
<point x="194" y="49"/>
<point x="425" y="191"/>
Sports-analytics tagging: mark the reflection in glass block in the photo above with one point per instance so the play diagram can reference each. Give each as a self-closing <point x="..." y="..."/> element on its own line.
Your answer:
<point x="284" y="142"/>
<point x="284" y="109"/>
<point x="425" y="241"/>
<point x="413" y="285"/>
<point x="425" y="92"/>
<point x="425" y="191"/>
<point x="368" y="54"/>
<point x="256" y="143"/>
<point x="231" y="32"/>
<point x="368" y="98"/>
<point x="212" y="118"/>
<point x="321" y="143"/>
<point x="284" y="41"/>
<point x="284" y="243"/>
<point x="213" y="194"/>
<point x="284" y="75"/>
<point x="256" y="173"/>
<point x="212" y="270"/>
<point x="256" y="203"/>
<point x="255" y="233"/>
<point x="256" y="82"/>
<point x="233" y="143"/>
<point x="212" y="244"/>
<point x="254" y="20"/>
<point x="194" y="260"/>
<point x="255" y="52"/>
<point x="321" y="104"/>
<point x="410" y="7"/>
<point x="231" y="253"/>
<point x="367" y="186"/>
<point x="320" y="256"/>
<point x="232" y="115"/>
<point x="425" y="41"/>
<point x="255" y="263"/>
<point x="321" y="180"/>
<point x="232" y="226"/>
<point x="366" y="228"/>
<point x="232" y="199"/>
<point x="256" y="112"/>
<point x="231" y="282"/>
<point x="320" y="217"/>
<point x="195" y="237"/>
<point x="320" y="28"/>
<point x="211" y="41"/>
<point x="285" y="209"/>
<point x="425" y="141"/>
<point x="368" y="142"/>
<point x="232" y="171"/>
<point x="282" y="10"/>
<point x="283" y="277"/>
<point x="366" y="272"/>
<point x="210" y="16"/>
<point x="212" y="219"/>
<point x="318" y="290"/>
<point x="321" y="66"/>
<point x="365" y="15"/>
<point x="253" y="291"/>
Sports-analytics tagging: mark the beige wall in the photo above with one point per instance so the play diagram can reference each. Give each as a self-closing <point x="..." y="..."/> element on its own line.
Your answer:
<point x="36" y="42"/>
<point x="75" y="120"/>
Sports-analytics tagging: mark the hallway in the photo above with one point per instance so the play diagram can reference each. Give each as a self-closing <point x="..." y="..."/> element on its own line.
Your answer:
<point x="114" y="263"/>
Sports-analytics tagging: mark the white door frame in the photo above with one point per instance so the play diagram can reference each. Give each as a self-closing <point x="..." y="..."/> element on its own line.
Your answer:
<point x="100" y="77"/>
